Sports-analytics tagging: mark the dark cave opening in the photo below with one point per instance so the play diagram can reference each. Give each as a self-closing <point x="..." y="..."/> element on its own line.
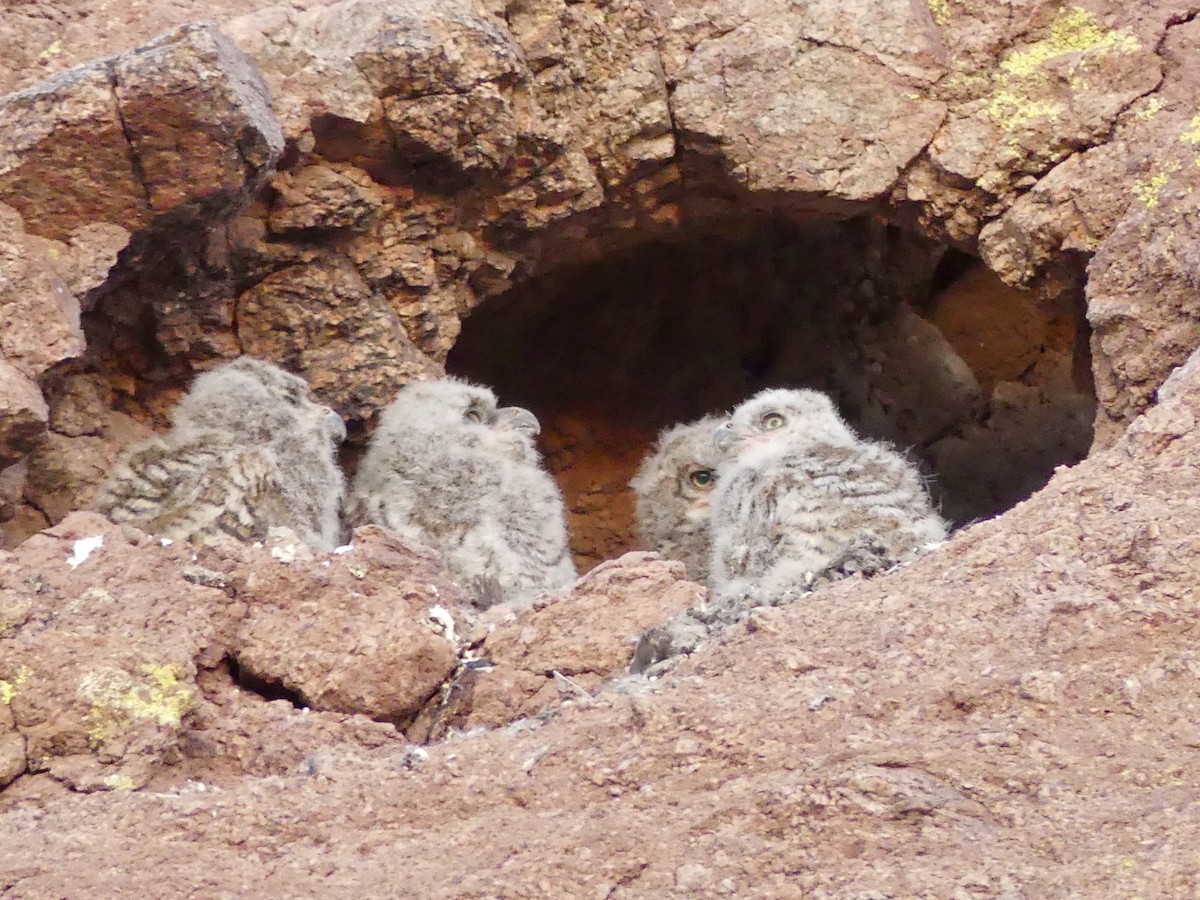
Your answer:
<point x="919" y="344"/>
<point x="268" y="690"/>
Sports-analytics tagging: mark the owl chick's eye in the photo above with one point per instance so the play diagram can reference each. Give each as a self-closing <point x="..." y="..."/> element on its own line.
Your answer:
<point x="704" y="479"/>
<point x="473" y="415"/>
<point x="772" y="421"/>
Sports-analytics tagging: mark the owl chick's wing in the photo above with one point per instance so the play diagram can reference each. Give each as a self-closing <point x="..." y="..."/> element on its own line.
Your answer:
<point x="199" y="490"/>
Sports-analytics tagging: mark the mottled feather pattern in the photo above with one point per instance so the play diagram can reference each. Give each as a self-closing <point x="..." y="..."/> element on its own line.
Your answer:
<point x="446" y="469"/>
<point x="794" y="501"/>
<point x="197" y="491"/>
<point x="248" y="451"/>
<point x="672" y="504"/>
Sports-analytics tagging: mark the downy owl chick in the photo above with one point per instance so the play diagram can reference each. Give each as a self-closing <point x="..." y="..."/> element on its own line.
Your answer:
<point x="673" y="487"/>
<point x="448" y="468"/>
<point x="248" y="450"/>
<point x="801" y="494"/>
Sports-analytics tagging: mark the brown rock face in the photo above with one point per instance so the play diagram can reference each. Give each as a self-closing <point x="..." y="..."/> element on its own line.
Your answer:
<point x="180" y="128"/>
<point x="973" y="225"/>
<point x="388" y="656"/>
<point x="565" y="649"/>
<point x="22" y="414"/>
<point x="182" y="120"/>
<point x="138" y="676"/>
<point x="1031" y="681"/>
<point x="552" y="145"/>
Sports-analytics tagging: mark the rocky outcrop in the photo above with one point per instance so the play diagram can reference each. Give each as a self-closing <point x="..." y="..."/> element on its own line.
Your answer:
<point x="440" y="156"/>
<point x="1011" y="714"/>
<point x="568" y="647"/>
<point x="174" y="135"/>
<point x="623" y="214"/>
<point x="120" y="651"/>
<point x="370" y="631"/>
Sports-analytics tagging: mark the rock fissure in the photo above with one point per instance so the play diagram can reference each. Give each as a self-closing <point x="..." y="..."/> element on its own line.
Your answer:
<point x="135" y="162"/>
<point x="631" y="220"/>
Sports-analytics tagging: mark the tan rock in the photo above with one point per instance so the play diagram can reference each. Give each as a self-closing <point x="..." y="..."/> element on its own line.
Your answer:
<point x="41" y="315"/>
<point x="355" y="632"/>
<point x="23" y="414"/>
<point x="322" y="320"/>
<point x="565" y="649"/>
<point x="198" y="118"/>
<point x="104" y="707"/>
<point x="52" y="128"/>
<point x="846" y="135"/>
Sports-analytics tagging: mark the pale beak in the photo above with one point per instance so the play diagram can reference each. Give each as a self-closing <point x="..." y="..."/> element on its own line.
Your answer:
<point x="516" y="418"/>
<point x="726" y="437"/>
<point x="333" y="426"/>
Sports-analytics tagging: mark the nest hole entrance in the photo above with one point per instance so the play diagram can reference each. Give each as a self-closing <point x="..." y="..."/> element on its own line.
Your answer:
<point x="987" y="386"/>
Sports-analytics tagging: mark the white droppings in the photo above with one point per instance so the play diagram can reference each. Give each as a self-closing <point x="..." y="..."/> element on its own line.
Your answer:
<point x="818" y="701"/>
<point x="84" y="547"/>
<point x="166" y="542"/>
<point x="533" y="758"/>
<point x="441" y="616"/>
<point x="345" y="548"/>
<point x="285" y="553"/>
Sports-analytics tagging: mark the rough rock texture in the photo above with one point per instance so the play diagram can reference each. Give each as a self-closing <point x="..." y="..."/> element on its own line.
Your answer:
<point x="116" y="651"/>
<point x="390" y="653"/>
<point x="172" y="134"/>
<point x="1012" y="715"/>
<point x="565" y="649"/>
<point x="438" y="156"/>
<point x="373" y="181"/>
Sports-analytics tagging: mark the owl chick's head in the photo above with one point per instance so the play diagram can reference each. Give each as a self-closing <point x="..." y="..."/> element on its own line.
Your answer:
<point x="256" y="402"/>
<point x="469" y="411"/>
<point x="778" y="416"/>
<point x="673" y="486"/>
<point x="679" y="472"/>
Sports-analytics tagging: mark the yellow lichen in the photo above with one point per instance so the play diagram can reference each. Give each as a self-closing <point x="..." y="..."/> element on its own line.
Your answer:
<point x="940" y="10"/>
<point x="119" y="782"/>
<point x="1149" y="189"/>
<point x="1191" y="134"/>
<point x="8" y="689"/>
<point x="50" y="52"/>
<point x="1022" y="74"/>
<point x="117" y="696"/>
<point x="1150" y="110"/>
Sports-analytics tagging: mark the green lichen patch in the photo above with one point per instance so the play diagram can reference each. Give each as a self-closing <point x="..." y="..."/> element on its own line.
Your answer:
<point x="117" y="698"/>
<point x="8" y="689"/>
<point x="1149" y="189"/>
<point x="1191" y="134"/>
<point x="1150" y="109"/>
<point x="1022" y="76"/>
<point x="119" y="782"/>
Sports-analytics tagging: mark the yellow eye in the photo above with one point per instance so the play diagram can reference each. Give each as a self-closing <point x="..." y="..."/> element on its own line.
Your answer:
<point x="771" y="421"/>
<point x="473" y="415"/>
<point x="704" y="479"/>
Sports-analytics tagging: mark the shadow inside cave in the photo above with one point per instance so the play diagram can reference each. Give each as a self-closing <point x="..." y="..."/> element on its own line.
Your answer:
<point x="989" y="387"/>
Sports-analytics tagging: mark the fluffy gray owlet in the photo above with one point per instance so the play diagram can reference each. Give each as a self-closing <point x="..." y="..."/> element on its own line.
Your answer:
<point x="248" y="450"/>
<point x="801" y="495"/>
<point x="673" y="486"/>
<point x="450" y="470"/>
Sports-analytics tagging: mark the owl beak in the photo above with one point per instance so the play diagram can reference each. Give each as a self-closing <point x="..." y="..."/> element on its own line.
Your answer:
<point x="726" y="437"/>
<point x="334" y="427"/>
<point x="515" y="418"/>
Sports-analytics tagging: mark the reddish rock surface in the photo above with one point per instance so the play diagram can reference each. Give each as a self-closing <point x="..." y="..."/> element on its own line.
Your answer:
<point x="356" y="632"/>
<point x="415" y="185"/>
<point x="570" y="645"/>
<point x="1011" y="715"/>
<point x="713" y="196"/>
